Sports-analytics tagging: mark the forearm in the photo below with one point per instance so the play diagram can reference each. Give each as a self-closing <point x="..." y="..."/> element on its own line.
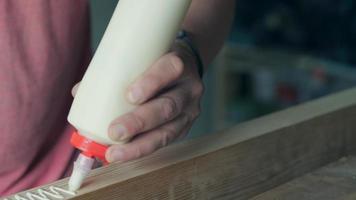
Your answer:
<point x="209" y="22"/>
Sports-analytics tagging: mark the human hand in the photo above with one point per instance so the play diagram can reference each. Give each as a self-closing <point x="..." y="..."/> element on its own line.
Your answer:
<point x="168" y="97"/>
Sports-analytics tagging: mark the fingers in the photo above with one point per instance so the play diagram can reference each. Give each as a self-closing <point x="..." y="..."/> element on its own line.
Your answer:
<point x="148" y="142"/>
<point x="163" y="73"/>
<point x="149" y="115"/>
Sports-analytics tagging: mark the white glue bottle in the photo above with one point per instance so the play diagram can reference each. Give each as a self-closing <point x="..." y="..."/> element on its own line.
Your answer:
<point x="140" y="31"/>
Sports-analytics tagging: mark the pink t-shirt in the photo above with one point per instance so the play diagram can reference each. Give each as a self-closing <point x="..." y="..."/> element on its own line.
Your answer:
<point x="44" y="50"/>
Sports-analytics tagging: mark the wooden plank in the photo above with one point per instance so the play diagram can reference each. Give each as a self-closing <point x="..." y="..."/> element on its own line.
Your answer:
<point x="336" y="181"/>
<point x="238" y="163"/>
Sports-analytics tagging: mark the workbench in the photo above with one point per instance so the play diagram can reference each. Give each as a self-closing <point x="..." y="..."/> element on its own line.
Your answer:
<point x="334" y="181"/>
<point x="304" y="152"/>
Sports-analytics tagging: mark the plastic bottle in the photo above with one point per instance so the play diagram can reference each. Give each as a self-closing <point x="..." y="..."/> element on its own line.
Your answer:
<point x="138" y="34"/>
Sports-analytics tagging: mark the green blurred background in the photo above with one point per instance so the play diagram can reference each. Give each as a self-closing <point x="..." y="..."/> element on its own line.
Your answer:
<point x="279" y="53"/>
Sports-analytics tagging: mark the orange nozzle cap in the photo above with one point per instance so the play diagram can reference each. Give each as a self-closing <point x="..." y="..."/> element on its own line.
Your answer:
<point x="88" y="147"/>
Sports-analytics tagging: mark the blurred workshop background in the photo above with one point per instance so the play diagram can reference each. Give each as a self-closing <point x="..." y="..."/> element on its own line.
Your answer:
<point x="279" y="53"/>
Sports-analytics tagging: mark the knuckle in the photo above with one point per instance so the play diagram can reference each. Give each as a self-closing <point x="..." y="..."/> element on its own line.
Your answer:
<point x="169" y="108"/>
<point x="195" y="114"/>
<point x="198" y="89"/>
<point x="138" y="123"/>
<point x="167" y="136"/>
<point x="137" y="152"/>
<point x="186" y="119"/>
<point x="177" y="65"/>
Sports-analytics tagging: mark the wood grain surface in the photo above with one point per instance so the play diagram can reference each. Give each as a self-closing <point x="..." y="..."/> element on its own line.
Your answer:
<point x="336" y="181"/>
<point x="238" y="163"/>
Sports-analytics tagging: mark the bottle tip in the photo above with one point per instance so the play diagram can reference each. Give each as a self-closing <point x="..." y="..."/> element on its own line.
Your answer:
<point x="80" y="170"/>
<point x="76" y="179"/>
<point x="75" y="182"/>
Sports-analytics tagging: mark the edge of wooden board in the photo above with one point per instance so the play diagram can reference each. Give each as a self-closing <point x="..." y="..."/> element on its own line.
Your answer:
<point x="274" y="128"/>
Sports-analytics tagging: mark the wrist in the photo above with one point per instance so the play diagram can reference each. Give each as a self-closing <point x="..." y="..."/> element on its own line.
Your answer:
<point x="185" y="43"/>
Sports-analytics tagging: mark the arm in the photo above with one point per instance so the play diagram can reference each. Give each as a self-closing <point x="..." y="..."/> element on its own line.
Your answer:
<point x="168" y="94"/>
<point x="209" y="21"/>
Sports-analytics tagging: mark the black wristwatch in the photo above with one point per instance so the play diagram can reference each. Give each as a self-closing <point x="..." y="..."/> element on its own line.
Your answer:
<point x="186" y="39"/>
